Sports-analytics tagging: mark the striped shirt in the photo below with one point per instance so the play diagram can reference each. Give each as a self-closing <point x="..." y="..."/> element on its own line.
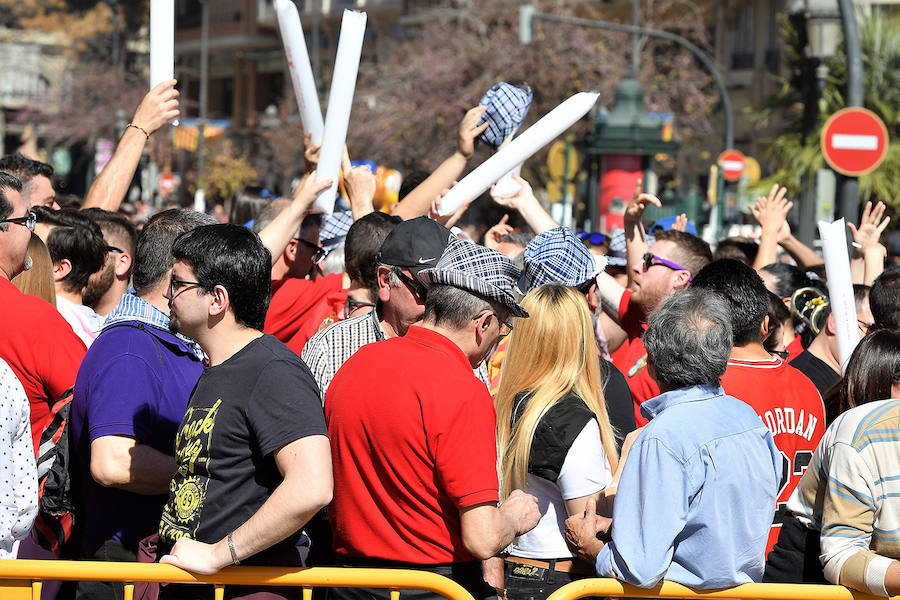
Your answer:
<point x="135" y="308"/>
<point x="850" y="494"/>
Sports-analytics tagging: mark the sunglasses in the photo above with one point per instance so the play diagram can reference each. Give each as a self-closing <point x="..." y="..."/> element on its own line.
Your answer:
<point x="418" y="289"/>
<point x="651" y="260"/>
<point x="319" y="253"/>
<point x="28" y="221"/>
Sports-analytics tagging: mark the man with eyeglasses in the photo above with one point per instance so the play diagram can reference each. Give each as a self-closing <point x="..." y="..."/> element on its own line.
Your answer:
<point x="654" y="274"/>
<point x="130" y="395"/>
<point x="36" y="341"/>
<point x="414" y="447"/>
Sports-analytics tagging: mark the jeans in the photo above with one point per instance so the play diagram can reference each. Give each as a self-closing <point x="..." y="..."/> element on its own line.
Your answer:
<point x="525" y="582"/>
<point x="467" y="574"/>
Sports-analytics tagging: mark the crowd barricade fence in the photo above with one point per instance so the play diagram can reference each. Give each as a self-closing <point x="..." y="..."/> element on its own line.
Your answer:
<point x="22" y="579"/>
<point x="667" y="589"/>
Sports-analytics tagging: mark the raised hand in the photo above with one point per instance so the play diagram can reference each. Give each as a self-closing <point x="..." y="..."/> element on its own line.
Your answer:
<point x="495" y="234"/>
<point x="311" y="153"/>
<point x="451" y="219"/>
<point x="871" y="225"/>
<point x="158" y="107"/>
<point x="638" y="204"/>
<point x="360" y="184"/>
<point x="771" y="211"/>
<point x="469" y="130"/>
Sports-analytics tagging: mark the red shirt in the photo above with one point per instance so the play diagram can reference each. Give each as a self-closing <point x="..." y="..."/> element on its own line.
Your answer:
<point x="413" y="440"/>
<point x="790" y="406"/>
<point x="795" y="348"/>
<point x="299" y="306"/>
<point x="42" y="350"/>
<point x="631" y="357"/>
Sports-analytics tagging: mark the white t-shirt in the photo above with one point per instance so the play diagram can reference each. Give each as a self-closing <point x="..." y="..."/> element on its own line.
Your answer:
<point x="585" y="471"/>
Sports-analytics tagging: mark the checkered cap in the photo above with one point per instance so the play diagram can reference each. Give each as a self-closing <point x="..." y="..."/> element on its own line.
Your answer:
<point x="617" y="253"/>
<point x="479" y="270"/>
<point x="335" y="229"/>
<point x="507" y="106"/>
<point x="556" y="256"/>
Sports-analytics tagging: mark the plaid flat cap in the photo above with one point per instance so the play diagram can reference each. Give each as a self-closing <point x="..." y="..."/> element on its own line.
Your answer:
<point x="507" y="106"/>
<point x="556" y="256"/>
<point x="335" y="228"/>
<point x="479" y="270"/>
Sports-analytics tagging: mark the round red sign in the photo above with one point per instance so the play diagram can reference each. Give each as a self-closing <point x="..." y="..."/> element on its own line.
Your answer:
<point x="733" y="164"/>
<point x="854" y="141"/>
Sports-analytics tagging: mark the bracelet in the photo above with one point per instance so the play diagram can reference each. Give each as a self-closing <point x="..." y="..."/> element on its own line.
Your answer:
<point x="234" y="558"/>
<point x="139" y="128"/>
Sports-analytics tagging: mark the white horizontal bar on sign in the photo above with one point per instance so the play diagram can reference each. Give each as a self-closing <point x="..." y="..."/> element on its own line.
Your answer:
<point x="848" y="141"/>
<point x="732" y="165"/>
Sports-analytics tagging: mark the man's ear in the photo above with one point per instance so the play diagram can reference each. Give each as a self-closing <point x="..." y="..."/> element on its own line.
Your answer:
<point x="123" y="264"/>
<point x="383" y="279"/>
<point x="290" y="252"/>
<point x="61" y="269"/>
<point x="220" y="302"/>
<point x="764" y="327"/>
<point x="829" y="325"/>
<point x="593" y="299"/>
<point x="682" y="279"/>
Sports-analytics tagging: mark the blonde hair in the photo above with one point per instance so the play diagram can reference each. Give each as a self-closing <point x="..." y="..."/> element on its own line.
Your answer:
<point x="551" y="355"/>
<point x="38" y="280"/>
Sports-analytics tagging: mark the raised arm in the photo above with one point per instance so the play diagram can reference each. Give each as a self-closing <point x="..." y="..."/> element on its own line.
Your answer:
<point x="635" y="236"/>
<point x="277" y="234"/>
<point x="158" y="107"/>
<point x="868" y="251"/>
<point x="525" y="202"/>
<point x="418" y="201"/>
<point x="771" y="213"/>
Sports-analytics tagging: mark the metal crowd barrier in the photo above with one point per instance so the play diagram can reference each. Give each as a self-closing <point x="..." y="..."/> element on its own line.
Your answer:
<point x="748" y="591"/>
<point x="23" y="579"/>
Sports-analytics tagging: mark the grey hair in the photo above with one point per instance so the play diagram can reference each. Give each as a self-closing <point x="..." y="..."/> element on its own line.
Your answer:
<point x="689" y="339"/>
<point x="334" y="260"/>
<point x="452" y="306"/>
<point x="393" y="277"/>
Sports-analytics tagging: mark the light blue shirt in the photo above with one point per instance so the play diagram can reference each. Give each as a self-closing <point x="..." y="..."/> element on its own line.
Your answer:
<point x="697" y="494"/>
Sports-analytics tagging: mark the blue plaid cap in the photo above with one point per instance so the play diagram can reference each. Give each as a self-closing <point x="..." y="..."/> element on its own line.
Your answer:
<point x="556" y="256"/>
<point x="335" y="229"/>
<point x="507" y="106"/>
<point x="479" y="270"/>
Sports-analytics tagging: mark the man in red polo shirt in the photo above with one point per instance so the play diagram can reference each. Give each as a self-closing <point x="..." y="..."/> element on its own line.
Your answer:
<point x="414" y="447"/>
<point x="783" y="397"/>
<point x="35" y="340"/>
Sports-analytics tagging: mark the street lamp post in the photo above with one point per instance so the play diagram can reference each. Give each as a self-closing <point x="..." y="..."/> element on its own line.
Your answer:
<point x="819" y="20"/>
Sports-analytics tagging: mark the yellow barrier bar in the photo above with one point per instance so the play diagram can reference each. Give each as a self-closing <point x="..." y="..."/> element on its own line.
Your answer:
<point x="403" y="579"/>
<point x="748" y="591"/>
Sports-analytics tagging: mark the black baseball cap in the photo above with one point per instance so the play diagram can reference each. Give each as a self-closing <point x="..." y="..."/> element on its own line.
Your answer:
<point x="415" y="244"/>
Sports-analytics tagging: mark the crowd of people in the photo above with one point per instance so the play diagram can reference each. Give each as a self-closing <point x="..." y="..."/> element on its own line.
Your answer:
<point x="514" y="411"/>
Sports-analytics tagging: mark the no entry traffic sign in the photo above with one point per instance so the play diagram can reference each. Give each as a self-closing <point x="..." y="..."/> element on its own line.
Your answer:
<point x="854" y="141"/>
<point x="733" y="164"/>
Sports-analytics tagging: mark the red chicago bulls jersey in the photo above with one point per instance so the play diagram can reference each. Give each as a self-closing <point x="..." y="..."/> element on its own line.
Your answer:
<point x="791" y="407"/>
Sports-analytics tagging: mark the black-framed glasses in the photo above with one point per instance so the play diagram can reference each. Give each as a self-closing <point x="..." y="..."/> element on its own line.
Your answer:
<point x="114" y="249"/>
<point x="319" y="253"/>
<point x="417" y="288"/>
<point x="651" y="259"/>
<point x="351" y="305"/>
<point x="505" y="328"/>
<point x="783" y="354"/>
<point x="28" y="221"/>
<point x="865" y="327"/>
<point x="177" y="284"/>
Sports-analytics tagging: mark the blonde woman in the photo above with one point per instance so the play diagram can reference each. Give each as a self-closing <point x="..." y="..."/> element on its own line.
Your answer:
<point x="553" y="433"/>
